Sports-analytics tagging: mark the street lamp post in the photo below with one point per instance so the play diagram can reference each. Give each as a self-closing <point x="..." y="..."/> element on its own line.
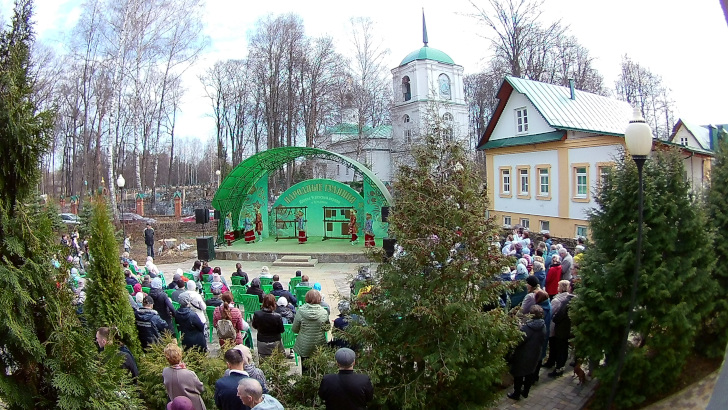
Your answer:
<point x="218" y="178"/>
<point x="120" y="182"/>
<point x="638" y="138"/>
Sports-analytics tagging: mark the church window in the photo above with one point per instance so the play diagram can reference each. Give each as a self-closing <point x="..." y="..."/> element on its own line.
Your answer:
<point x="447" y="117"/>
<point x="444" y="83"/>
<point x="406" y="89"/>
<point x="406" y="118"/>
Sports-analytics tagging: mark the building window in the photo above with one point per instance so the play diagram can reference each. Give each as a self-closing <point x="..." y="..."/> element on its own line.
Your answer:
<point x="543" y="190"/>
<point x="524" y="177"/>
<point x="347" y="170"/>
<point x="338" y="169"/>
<point x="581" y="231"/>
<point x="684" y="141"/>
<point x="507" y="221"/>
<point x="406" y="119"/>
<point x="603" y="170"/>
<point x="444" y="83"/>
<point x="447" y="117"/>
<point x="406" y="90"/>
<point x="525" y="223"/>
<point x="544" y="225"/>
<point x="581" y="182"/>
<point x="521" y="120"/>
<point x="505" y="185"/>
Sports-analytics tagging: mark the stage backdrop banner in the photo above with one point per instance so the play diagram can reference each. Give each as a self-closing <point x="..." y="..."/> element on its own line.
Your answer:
<point x="318" y="193"/>
<point x="257" y="198"/>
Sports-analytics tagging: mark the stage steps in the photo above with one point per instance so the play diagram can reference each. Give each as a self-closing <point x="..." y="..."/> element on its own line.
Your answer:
<point x="301" y="261"/>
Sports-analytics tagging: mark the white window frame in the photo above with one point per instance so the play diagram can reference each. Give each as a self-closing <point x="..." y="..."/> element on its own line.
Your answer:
<point x="544" y="225"/>
<point x="582" y="234"/>
<point x="540" y="193"/>
<point x="521" y="120"/>
<point x="505" y="172"/>
<point x="525" y="223"/>
<point x="684" y="141"/>
<point x="523" y="181"/>
<point x="507" y="221"/>
<point x="585" y="185"/>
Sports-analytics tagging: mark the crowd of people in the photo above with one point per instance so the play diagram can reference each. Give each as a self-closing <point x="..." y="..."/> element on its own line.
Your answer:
<point x="549" y="272"/>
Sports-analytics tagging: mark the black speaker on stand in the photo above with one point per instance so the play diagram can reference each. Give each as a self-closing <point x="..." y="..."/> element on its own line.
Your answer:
<point x="205" y="248"/>
<point x="202" y="216"/>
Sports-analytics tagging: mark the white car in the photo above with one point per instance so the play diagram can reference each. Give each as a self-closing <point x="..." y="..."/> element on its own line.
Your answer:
<point x="70" y="219"/>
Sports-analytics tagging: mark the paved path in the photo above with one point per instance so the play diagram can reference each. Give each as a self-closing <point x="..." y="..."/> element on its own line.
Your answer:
<point x="561" y="393"/>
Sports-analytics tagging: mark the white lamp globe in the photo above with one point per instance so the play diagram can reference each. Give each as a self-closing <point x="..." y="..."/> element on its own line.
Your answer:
<point x="120" y="182"/>
<point x="638" y="135"/>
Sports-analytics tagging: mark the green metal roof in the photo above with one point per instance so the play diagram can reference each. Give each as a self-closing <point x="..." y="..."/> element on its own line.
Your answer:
<point x="524" y="140"/>
<point x="586" y="112"/>
<point x="381" y="131"/>
<point x="427" y="53"/>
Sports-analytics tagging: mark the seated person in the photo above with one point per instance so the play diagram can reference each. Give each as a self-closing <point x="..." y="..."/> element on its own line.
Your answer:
<point x="147" y="281"/>
<point x="216" y="299"/>
<point x="217" y="279"/>
<point x="181" y="288"/>
<point x="323" y="303"/>
<point x="278" y="291"/>
<point x="265" y="273"/>
<point x="304" y="281"/>
<point x="255" y="289"/>
<point x="217" y="271"/>
<point x="239" y="272"/>
<point x="130" y="279"/>
<point x="286" y="310"/>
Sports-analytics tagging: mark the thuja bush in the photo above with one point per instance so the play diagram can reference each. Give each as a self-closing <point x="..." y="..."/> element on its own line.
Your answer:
<point x="428" y="339"/>
<point x="153" y="361"/>
<point x="107" y="301"/>
<point x="675" y="293"/>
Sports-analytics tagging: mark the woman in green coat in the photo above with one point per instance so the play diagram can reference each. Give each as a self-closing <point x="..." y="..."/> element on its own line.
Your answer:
<point x="311" y="323"/>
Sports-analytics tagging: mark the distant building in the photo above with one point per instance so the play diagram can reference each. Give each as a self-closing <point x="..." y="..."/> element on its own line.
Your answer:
<point x="548" y="147"/>
<point x="700" y="143"/>
<point x="427" y="80"/>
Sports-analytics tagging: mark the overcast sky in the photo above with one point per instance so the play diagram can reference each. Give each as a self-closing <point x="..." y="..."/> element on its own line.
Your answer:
<point x="683" y="41"/>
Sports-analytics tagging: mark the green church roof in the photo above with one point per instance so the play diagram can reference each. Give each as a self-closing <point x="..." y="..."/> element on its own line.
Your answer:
<point x="427" y="53"/>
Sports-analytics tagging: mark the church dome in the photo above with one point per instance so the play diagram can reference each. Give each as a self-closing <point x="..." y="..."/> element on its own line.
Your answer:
<point x="427" y="53"/>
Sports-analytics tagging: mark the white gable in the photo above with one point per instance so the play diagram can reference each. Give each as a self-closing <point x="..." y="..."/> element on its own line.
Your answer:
<point x="506" y="126"/>
<point x="683" y="134"/>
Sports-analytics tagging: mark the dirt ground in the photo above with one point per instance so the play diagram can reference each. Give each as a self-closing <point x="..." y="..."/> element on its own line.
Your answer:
<point x="182" y="232"/>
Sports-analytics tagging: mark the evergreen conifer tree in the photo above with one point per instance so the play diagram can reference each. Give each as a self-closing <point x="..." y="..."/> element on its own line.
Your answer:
<point x="433" y="342"/>
<point x="717" y="329"/>
<point x="47" y="359"/>
<point x="675" y="290"/>
<point x="107" y="302"/>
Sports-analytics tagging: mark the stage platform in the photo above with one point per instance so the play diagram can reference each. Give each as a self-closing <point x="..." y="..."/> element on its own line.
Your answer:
<point x="328" y="251"/>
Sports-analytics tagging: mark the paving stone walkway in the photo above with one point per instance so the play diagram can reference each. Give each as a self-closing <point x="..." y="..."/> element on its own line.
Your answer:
<point x="561" y="393"/>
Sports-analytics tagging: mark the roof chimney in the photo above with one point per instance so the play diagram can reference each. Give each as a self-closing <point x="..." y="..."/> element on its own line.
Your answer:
<point x="571" y="87"/>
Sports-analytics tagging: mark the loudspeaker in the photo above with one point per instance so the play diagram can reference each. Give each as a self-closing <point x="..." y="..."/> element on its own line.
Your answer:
<point x="385" y="214"/>
<point x="205" y="248"/>
<point x="388" y="246"/>
<point x="217" y="215"/>
<point x="202" y="216"/>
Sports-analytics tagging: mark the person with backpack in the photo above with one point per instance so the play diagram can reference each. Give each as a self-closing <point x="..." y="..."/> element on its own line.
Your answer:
<point x="228" y="320"/>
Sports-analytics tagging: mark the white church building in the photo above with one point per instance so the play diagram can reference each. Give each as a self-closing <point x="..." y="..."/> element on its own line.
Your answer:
<point x="427" y="82"/>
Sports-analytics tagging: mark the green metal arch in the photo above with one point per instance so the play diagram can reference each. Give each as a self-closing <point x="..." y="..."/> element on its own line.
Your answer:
<point x="234" y="189"/>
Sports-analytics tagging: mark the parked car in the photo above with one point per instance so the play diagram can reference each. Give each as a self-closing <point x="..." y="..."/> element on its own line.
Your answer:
<point x="130" y="217"/>
<point x="70" y="219"/>
<point x="191" y="218"/>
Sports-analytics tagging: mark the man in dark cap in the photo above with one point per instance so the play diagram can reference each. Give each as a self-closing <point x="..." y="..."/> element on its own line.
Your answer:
<point x="346" y="390"/>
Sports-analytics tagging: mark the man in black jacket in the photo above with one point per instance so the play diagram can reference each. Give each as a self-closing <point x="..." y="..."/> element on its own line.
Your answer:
<point x="346" y="390"/>
<point x="149" y="240"/>
<point x="148" y="322"/>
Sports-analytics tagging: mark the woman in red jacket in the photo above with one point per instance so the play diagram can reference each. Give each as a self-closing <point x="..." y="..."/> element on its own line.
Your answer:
<point x="553" y="276"/>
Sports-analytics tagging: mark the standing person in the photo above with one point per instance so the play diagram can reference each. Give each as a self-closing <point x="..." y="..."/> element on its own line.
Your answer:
<point x="162" y="303"/>
<point x="190" y="325"/>
<point x="104" y="339"/>
<point x="259" y="225"/>
<point x="309" y="323"/>
<point x="226" y="387"/>
<point x="346" y="389"/>
<point x="127" y="244"/>
<point x="179" y="381"/>
<point x="149" y="325"/>
<point x="369" y="231"/>
<point x="270" y="328"/>
<point x="353" y="227"/>
<point x="566" y="264"/>
<point x="554" y="276"/>
<point x="226" y="311"/>
<point x="527" y="354"/>
<point x="561" y="323"/>
<point x="251" y="394"/>
<point x="248" y="232"/>
<point x="149" y="239"/>
<point x="301" y="225"/>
